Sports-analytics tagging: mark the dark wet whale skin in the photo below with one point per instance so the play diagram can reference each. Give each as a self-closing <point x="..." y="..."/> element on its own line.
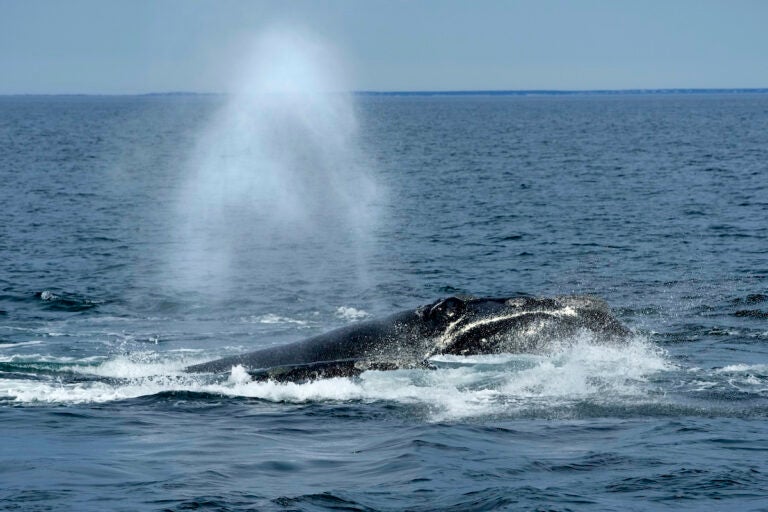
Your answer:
<point x="455" y="325"/>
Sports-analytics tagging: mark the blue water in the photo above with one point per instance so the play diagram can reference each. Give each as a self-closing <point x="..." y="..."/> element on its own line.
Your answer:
<point x="658" y="203"/>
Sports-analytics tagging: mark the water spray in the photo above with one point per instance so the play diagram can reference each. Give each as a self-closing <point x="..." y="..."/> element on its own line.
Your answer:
<point x="279" y="191"/>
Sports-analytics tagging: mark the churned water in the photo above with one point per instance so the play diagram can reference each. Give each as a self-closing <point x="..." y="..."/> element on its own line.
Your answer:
<point x="109" y="206"/>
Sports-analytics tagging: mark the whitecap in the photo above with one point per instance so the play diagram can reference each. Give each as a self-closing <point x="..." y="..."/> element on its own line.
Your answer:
<point x="271" y="318"/>
<point x="350" y="313"/>
<point x="744" y="368"/>
<point x="21" y="344"/>
<point x="48" y="295"/>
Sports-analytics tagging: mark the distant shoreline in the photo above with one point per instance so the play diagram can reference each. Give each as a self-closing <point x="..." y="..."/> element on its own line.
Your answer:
<point x="479" y="92"/>
<point x="556" y="92"/>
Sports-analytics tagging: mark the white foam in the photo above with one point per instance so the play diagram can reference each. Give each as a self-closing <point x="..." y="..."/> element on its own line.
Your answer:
<point x="238" y="375"/>
<point x="48" y="295"/>
<point x="321" y="390"/>
<point x="350" y="313"/>
<point x="586" y="370"/>
<point x="41" y="358"/>
<point x="271" y="318"/>
<point x="21" y="344"/>
<point x="90" y="392"/>
<point x="471" y="387"/>
<point x="744" y="368"/>
<point x="123" y="368"/>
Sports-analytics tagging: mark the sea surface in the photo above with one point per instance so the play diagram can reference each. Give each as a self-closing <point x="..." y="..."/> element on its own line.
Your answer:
<point x="656" y="202"/>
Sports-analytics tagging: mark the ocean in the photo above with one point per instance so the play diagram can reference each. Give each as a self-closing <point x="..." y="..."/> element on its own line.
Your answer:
<point x="143" y="234"/>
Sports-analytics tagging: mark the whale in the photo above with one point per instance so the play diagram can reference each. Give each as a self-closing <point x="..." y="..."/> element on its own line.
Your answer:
<point x="456" y="325"/>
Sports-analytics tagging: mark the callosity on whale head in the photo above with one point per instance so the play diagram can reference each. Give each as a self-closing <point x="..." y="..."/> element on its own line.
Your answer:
<point x="468" y="326"/>
<point x="455" y="325"/>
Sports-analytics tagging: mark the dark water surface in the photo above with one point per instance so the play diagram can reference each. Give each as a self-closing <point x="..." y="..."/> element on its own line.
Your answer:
<point x="657" y="203"/>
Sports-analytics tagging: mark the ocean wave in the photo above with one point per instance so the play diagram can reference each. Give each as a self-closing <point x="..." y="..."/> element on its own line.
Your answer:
<point x="21" y="344"/>
<point x="62" y="301"/>
<point x="459" y="388"/>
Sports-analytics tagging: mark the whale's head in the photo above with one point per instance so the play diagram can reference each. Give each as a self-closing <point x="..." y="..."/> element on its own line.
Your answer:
<point x="466" y="325"/>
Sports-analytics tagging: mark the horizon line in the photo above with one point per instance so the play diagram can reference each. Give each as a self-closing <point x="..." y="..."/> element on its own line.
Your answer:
<point x="453" y="92"/>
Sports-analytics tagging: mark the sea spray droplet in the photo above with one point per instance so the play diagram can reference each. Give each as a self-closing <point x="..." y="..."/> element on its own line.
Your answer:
<point x="239" y="375"/>
<point x="278" y="181"/>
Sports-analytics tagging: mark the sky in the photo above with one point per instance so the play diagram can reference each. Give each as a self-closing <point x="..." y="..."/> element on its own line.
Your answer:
<point x="141" y="46"/>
